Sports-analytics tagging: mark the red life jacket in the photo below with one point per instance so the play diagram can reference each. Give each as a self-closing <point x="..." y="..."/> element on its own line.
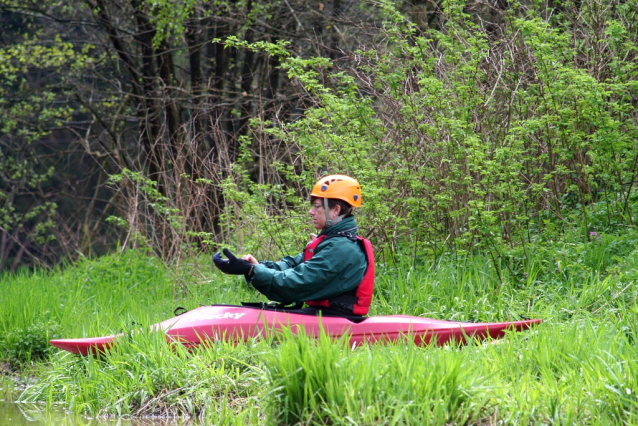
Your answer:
<point x="358" y="301"/>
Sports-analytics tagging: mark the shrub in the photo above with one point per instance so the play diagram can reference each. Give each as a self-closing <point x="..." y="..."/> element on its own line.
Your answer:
<point x="30" y="343"/>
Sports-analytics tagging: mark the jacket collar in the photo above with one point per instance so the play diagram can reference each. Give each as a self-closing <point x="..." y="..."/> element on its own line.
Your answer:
<point x="345" y="225"/>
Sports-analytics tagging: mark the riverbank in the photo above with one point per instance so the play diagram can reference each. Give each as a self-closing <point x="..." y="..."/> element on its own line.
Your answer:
<point x="579" y="367"/>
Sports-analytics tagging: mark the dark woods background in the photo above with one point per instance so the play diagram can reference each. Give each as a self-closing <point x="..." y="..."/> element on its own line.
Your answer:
<point x="471" y="124"/>
<point x="94" y="87"/>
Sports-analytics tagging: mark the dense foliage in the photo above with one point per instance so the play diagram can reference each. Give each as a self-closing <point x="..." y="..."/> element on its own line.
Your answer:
<point x="197" y="122"/>
<point x="91" y="88"/>
<point x="473" y="134"/>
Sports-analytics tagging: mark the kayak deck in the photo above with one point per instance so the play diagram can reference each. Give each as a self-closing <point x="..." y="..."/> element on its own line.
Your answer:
<point x="240" y="323"/>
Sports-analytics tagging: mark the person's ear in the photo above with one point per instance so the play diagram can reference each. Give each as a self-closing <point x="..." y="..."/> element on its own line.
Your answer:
<point x="337" y="210"/>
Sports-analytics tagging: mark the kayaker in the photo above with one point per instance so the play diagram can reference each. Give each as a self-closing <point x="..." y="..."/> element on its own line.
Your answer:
<point x="335" y="272"/>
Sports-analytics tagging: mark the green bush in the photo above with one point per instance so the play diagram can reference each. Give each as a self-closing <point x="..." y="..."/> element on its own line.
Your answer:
<point x="30" y="343"/>
<point x="464" y="136"/>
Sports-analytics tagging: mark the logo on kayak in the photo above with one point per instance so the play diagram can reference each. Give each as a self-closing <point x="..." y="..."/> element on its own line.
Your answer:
<point x="227" y="315"/>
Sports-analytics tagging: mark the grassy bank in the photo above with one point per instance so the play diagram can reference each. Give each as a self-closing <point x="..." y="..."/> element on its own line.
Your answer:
<point x="99" y="296"/>
<point x="579" y="367"/>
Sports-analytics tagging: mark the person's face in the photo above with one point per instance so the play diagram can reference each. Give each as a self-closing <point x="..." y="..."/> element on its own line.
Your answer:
<point x="318" y="214"/>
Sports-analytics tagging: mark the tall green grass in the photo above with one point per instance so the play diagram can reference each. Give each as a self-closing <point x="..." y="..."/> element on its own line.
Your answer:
<point x="101" y="296"/>
<point x="144" y="376"/>
<point x="573" y="373"/>
<point x="328" y="382"/>
<point x="579" y="367"/>
<point x="556" y="374"/>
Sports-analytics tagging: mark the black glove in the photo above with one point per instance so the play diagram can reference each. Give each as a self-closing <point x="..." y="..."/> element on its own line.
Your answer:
<point x="232" y="265"/>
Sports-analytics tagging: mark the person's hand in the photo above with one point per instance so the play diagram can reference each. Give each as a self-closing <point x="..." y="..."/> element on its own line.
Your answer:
<point x="232" y="265"/>
<point x="250" y="258"/>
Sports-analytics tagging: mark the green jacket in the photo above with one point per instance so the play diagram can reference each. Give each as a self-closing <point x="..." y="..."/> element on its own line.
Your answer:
<point x="337" y="267"/>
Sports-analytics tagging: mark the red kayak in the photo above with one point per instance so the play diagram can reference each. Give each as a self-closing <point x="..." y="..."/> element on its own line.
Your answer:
<point x="240" y="323"/>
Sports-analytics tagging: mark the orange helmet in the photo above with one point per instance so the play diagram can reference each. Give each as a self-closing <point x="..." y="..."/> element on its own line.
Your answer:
<point x="340" y="187"/>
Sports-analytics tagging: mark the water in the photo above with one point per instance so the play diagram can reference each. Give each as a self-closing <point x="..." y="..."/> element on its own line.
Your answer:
<point x="12" y="414"/>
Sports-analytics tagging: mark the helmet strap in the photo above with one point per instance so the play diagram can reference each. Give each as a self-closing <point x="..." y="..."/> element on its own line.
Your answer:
<point x="330" y="222"/>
